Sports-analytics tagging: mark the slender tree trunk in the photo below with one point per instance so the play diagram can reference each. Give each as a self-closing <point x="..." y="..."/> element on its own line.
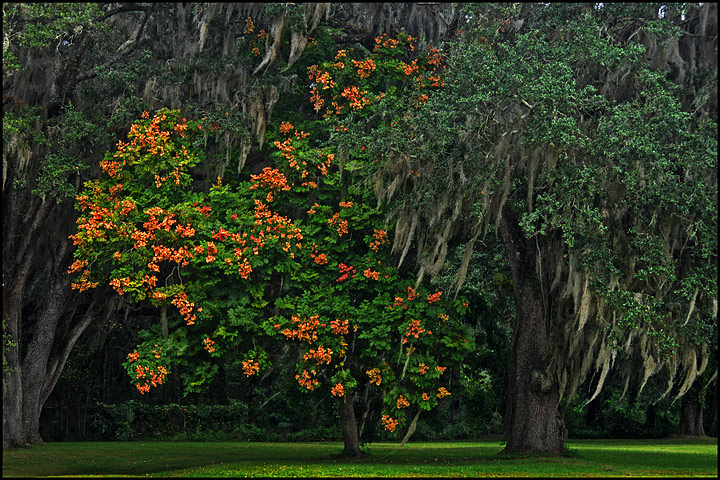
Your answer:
<point x="349" y="427"/>
<point x="691" y="413"/>
<point x="537" y="424"/>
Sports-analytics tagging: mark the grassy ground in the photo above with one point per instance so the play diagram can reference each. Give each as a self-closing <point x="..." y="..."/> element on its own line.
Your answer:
<point x="592" y="458"/>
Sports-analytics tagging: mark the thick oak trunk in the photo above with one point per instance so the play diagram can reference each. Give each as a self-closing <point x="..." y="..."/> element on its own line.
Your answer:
<point x="536" y="423"/>
<point x="691" y="414"/>
<point x="349" y="427"/>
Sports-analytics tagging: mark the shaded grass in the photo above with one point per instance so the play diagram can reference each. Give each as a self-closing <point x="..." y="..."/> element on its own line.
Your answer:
<point x="667" y="457"/>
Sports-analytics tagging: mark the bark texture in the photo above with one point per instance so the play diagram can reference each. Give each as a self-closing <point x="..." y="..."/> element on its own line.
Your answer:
<point x="536" y="423"/>
<point x="349" y="428"/>
<point x="691" y="414"/>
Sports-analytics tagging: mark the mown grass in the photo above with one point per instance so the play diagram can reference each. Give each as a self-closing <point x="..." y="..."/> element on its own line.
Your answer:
<point x="591" y="458"/>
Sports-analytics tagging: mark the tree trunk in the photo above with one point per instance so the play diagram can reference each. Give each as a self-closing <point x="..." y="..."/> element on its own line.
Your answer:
<point x="691" y="413"/>
<point x="509" y="396"/>
<point x="18" y="256"/>
<point x="349" y="427"/>
<point x="536" y="423"/>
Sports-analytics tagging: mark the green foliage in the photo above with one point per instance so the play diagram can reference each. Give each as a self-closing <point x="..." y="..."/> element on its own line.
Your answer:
<point x="41" y="25"/>
<point x="132" y="420"/>
<point x="244" y="276"/>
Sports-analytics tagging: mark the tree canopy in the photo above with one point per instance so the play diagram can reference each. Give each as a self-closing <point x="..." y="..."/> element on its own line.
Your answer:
<point x="297" y="145"/>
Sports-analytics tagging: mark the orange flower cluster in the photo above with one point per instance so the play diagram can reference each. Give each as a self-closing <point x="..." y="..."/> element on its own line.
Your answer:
<point x="346" y="204"/>
<point x="249" y="26"/>
<point x="279" y="225"/>
<point x="208" y="344"/>
<point x="321" y="355"/>
<point x="436" y="59"/>
<point x="399" y="301"/>
<point x="381" y="238"/>
<point x="77" y="265"/>
<point x="118" y="283"/>
<point x="133" y="356"/>
<point x="141" y="238"/>
<point x="84" y="283"/>
<point x="425" y="396"/>
<point x="371" y="274"/>
<point x="409" y="69"/>
<point x="150" y="280"/>
<point x="414" y="330"/>
<point x="159" y="296"/>
<point x="97" y="218"/>
<point x="389" y="43"/>
<point x="355" y="97"/>
<point x="320" y="259"/>
<point x="422" y="369"/>
<point x="411" y="294"/>
<point x="110" y="167"/>
<point x="286" y="148"/>
<point x="389" y="423"/>
<point x="305" y="380"/>
<point x="162" y="252"/>
<point x="244" y="269"/>
<point x="444" y="317"/>
<point x="270" y="178"/>
<point x="440" y="369"/>
<point x="374" y="375"/>
<point x="323" y="166"/>
<point x="148" y="136"/>
<point x="306" y="329"/>
<point x="151" y="378"/>
<point x="127" y="205"/>
<point x="340" y="224"/>
<point x="345" y="270"/>
<point x="180" y="129"/>
<point x="152" y="224"/>
<point x="437" y="81"/>
<point x="220" y="235"/>
<point x="286" y="127"/>
<point x="250" y="367"/>
<point x="338" y="390"/>
<point x="203" y="210"/>
<point x="434" y="297"/>
<point x="365" y="68"/>
<point x="326" y="80"/>
<point x="339" y="327"/>
<point x="402" y="402"/>
<point x="160" y="180"/>
<point x="181" y="302"/>
<point x="317" y="99"/>
<point x="442" y="392"/>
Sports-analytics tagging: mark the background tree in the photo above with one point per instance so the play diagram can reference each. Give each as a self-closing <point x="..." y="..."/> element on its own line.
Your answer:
<point x="561" y="126"/>
<point x="111" y="62"/>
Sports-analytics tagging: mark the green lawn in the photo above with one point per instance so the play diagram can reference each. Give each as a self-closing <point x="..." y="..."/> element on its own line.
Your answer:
<point x="666" y="457"/>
